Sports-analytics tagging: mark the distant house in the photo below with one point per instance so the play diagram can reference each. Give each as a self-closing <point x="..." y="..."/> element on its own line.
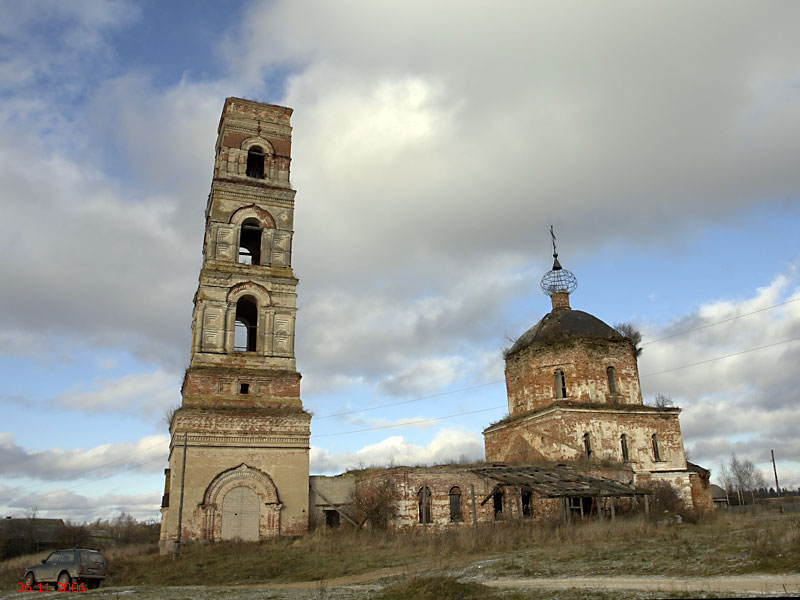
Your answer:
<point x="719" y="496"/>
<point x="18" y="536"/>
<point x="101" y="536"/>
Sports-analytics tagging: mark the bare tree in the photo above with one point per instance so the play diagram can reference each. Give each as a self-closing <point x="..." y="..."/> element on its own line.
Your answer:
<point x="633" y="335"/>
<point x="169" y="414"/>
<point x="374" y="501"/>
<point x="745" y="477"/>
<point x="726" y="481"/>
<point x="663" y="401"/>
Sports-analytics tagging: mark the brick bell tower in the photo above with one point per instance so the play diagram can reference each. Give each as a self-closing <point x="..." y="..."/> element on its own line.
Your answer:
<point x="241" y="427"/>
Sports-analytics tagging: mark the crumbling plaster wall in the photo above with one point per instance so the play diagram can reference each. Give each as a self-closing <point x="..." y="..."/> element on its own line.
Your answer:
<point x="408" y="481"/>
<point x="220" y="387"/>
<point x="276" y="445"/>
<point x="243" y="120"/>
<point x="339" y="490"/>
<point x="530" y="374"/>
<point x="557" y="434"/>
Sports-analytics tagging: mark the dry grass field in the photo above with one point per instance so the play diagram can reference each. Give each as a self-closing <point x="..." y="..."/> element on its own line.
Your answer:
<point x="455" y="563"/>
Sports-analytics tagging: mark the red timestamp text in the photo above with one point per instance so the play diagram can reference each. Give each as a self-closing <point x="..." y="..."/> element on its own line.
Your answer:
<point x="48" y="587"/>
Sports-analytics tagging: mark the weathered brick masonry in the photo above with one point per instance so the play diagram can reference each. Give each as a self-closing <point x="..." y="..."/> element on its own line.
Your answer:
<point x="572" y="381"/>
<point x="241" y="425"/>
<point x="574" y="396"/>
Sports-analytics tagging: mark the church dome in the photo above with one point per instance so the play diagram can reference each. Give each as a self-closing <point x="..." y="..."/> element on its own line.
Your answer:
<point x="562" y="324"/>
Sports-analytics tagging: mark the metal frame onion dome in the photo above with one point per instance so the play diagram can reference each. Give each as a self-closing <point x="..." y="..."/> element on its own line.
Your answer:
<point x="558" y="279"/>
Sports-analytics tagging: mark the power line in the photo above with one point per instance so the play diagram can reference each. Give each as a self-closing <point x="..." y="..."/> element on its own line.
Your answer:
<point x="719" y="322"/>
<point x="352" y="412"/>
<point x="720" y="358"/>
<point x="361" y="410"/>
<point x="495" y="382"/>
<point x="102" y="466"/>
<point x="450" y="392"/>
<point x="408" y="423"/>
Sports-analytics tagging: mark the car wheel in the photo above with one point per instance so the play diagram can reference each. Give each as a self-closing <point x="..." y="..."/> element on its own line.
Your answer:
<point x="93" y="584"/>
<point x="64" y="578"/>
<point x="30" y="580"/>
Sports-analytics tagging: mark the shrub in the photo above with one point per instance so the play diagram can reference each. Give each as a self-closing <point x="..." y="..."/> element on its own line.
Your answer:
<point x="664" y="499"/>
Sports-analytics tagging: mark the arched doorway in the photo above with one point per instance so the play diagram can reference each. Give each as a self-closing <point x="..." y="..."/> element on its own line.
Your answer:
<point x="241" y="503"/>
<point x="240" y="514"/>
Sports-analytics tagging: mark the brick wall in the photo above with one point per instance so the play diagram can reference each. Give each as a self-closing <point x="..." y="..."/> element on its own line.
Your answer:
<point x="530" y="373"/>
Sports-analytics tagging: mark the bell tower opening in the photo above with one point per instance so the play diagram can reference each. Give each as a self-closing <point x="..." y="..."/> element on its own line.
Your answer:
<point x="242" y="386"/>
<point x="250" y="243"/>
<point x="246" y="324"/>
<point x="255" y="162"/>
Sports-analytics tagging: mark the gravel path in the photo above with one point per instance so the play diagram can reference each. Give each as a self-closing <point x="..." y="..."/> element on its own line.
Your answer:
<point x="360" y="587"/>
<point x="756" y="584"/>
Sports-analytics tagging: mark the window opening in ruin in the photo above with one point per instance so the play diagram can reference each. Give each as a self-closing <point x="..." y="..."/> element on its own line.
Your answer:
<point x="527" y="495"/>
<point x="623" y="442"/>
<point x="497" y="500"/>
<point x="560" y="384"/>
<point x="455" y="505"/>
<point x="587" y="445"/>
<point x="255" y="162"/>
<point x="612" y="384"/>
<point x="332" y="519"/>
<point x="244" y="388"/>
<point x="245" y="325"/>
<point x="250" y="243"/>
<point x="583" y="506"/>
<point x="656" y="449"/>
<point x="424" y="505"/>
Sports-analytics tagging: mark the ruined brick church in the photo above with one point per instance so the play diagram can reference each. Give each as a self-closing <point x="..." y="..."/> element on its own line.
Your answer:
<point x="577" y="437"/>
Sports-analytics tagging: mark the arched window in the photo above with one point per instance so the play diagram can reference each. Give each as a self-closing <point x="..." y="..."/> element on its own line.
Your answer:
<point x="244" y="338"/>
<point x="623" y="442"/>
<point x="612" y="383"/>
<point x="455" y="505"/>
<point x="656" y="449"/>
<point x="250" y="242"/>
<point x="424" y="505"/>
<point x="560" y="384"/>
<point x="255" y="162"/>
<point x="587" y="445"/>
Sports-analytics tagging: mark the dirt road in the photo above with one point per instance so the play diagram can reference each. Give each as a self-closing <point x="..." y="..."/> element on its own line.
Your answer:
<point x="364" y="585"/>
<point x="771" y="584"/>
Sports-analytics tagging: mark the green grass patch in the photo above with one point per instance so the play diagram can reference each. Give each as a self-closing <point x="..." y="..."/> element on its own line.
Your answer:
<point x="435" y="587"/>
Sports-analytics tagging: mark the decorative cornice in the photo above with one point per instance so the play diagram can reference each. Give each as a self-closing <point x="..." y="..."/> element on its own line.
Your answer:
<point x="240" y="441"/>
<point x="591" y="408"/>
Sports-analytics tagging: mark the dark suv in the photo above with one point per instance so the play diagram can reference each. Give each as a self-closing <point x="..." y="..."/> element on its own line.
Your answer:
<point x="76" y="565"/>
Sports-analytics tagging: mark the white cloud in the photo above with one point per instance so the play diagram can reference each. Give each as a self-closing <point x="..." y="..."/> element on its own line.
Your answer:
<point x="745" y="403"/>
<point x="143" y="395"/>
<point x="447" y="445"/>
<point x="65" y="504"/>
<point x="147" y="455"/>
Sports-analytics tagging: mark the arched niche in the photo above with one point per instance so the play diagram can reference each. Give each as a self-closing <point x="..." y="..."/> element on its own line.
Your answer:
<point x="249" y="288"/>
<point x="243" y="476"/>
<point x="252" y="212"/>
<point x="259" y="142"/>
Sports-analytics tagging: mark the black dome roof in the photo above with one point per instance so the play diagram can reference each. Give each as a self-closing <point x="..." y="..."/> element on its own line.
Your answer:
<point x="562" y="324"/>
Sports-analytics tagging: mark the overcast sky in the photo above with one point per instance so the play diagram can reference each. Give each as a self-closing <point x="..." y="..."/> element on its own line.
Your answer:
<point x="434" y="144"/>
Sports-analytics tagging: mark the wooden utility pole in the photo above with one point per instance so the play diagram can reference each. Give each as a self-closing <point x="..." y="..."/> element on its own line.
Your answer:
<point x="474" y="510"/>
<point x="177" y="550"/>
<point x="424" y="510"/>
<point x="775" y="472"/>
